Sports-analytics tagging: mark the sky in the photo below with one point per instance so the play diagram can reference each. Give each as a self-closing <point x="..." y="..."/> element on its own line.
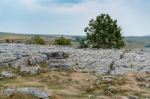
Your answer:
<point x="70" y="17"/>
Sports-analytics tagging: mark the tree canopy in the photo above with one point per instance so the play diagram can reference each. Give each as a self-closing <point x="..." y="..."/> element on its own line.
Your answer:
<point x="103" y="32"/>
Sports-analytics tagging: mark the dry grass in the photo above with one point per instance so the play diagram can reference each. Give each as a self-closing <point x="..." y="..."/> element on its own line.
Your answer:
<point x="75" y="85"/>
<point x="120" y="85"/>
<point x="62" y="84"/>
<point x="134" y="46"/>
<point x="18" y="96"/>
<point x="13" y="37"/>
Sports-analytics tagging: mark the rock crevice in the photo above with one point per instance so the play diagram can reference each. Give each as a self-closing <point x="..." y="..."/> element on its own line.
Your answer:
<point x="116" y="62"/>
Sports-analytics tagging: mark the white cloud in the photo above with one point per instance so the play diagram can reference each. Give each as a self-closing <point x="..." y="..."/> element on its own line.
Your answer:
<point x="129" y="13"/>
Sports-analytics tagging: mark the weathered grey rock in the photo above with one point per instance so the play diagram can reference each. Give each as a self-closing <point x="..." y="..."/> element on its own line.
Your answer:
<point x="121" y="71"/>
<point x="6" y="57"/>
<point x="34" y="91"/>
<point x="8" y="91"/>
<point x="37" y="58"/>
<point x="31" y="70"/>
<point x="7" y="74"/>
<point x="146" y="68"/>
<point x="102" y="66"/>
<point x="19" y="62"/>
<point x="61" y="63"/>
<point x="99" y="60"/>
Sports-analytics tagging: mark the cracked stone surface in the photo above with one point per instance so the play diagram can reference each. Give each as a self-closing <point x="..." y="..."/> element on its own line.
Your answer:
<point x="114" y="61"/>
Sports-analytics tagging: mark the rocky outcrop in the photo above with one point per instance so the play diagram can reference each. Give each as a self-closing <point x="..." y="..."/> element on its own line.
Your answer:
<point x="6" y="74"/>
<point x="37" y="58"/>
<point x="8" y="91"/>
<point x="36" y="92"/>
<point x="103" y="61"/>
<point x="23" y="61"/>
<point x="135" y="60"/>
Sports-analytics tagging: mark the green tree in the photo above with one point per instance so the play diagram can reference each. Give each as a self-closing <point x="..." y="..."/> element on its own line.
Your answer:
<point x="83" y="44"/>
<point x="62" y="41"/>
<point x="38" y="40"/>
<point x="103" y="32"/>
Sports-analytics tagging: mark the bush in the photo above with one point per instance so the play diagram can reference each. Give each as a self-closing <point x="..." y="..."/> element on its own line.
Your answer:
<point x="103" y="32"/>
<point x="63" y="41"/>
<point x="38" y="40"/>
<point x="7" y="40"/>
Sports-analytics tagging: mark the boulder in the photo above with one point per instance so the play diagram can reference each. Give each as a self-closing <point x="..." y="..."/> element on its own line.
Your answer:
<point x="37" y="58"/>
<point x="122" y="71"/>
<point x="61" y="63"/>
<point x="8" y="91"/>
<point x="30" y="70"/>
<point x="36" y="92"/>
<point x="19" y="62"/>
<point x="102" y="66"/>
<point x="7" y="74"/>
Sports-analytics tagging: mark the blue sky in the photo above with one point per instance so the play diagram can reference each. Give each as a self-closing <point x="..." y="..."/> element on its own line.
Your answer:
<point x="71" y="16"/>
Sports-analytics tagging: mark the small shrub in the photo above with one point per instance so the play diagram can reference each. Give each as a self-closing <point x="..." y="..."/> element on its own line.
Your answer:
<point x="63" y="41"/>
<point x="38" y="40"/>
<point x="7" y="40"/>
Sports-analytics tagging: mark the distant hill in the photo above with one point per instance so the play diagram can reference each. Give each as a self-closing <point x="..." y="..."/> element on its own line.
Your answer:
<point x="138" y="39"/>
<point x="12" y="36"/>
<point x="132" y="41"/>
